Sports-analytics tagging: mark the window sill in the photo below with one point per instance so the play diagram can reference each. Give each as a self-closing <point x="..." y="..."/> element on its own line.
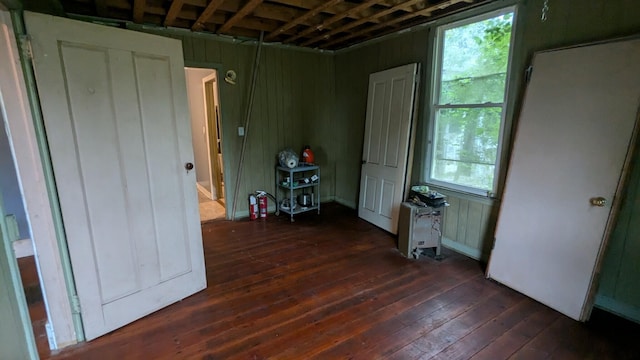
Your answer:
<point x="464" y="195"/>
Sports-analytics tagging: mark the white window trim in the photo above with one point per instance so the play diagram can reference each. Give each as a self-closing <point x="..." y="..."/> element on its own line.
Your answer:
<point x="437" y="40"/>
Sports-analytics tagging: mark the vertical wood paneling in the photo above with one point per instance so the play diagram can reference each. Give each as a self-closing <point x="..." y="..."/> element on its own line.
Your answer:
<point x="474" y="226"/>
<point x="320" y="99"/>
<point x="199" y="48"/>
<point x="351" y="79"/>
<point x="293" y="106"/>
<point x="629" y="275"/>
<point x="488" y="222"/>
<point x="212" y="52"/>
<point x="618" y="290"/>
<point x="463" y="217"/>
<point x="468" y="222"/>
<point x="451" y="219"/>
<point x="187" y="48"/>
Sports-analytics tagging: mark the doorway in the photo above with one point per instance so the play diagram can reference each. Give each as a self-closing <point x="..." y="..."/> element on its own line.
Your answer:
<point x="204" y="106"/>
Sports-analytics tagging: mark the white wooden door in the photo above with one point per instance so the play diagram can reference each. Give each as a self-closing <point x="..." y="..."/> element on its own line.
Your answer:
<point x="117" y="123"/>
<point x="385" y="154"/>
<point x="571" y="144"/>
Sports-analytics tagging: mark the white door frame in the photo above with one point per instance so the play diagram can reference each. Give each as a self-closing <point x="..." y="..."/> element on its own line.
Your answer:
<point x="216" y="101"/>
<point x="205" y="79"/>
<point x="30" y="170"/>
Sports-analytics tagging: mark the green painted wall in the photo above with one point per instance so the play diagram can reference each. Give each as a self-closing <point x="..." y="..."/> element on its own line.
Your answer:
<point x="352" y="78"/>
<point x="314" y="98"/>
<point x="470" y="219"/>
<point x="294" y="106"/>
<point x="620" y="276"/>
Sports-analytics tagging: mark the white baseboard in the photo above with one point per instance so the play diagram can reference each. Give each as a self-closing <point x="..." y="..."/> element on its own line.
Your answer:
<point x="23" y="248"/>
<point x="347" y="203"/>
<point x="462" y="248"/>
<point x="204" y="190"/>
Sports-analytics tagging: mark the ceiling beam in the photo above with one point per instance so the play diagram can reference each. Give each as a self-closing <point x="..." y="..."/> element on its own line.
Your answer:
<point x="138" y="10"/>
<point x="246" y="10"/>
<point x="266" y="11"/>
<point x="333" y="19"/>
<point x="338" y="9"/>
<point x="172" y="14"/>
<point x="206" y="14"/>
<point x="353" y="24"/>
<point x="309" y="14"/>
<point x="424" y="12"/>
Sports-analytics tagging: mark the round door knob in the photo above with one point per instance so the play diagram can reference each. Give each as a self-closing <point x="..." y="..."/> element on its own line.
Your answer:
<point x="598" y="201"/>
<point x="188" y="166"/>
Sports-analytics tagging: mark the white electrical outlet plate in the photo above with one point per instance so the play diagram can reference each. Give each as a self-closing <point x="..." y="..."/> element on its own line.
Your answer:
<point x="240" y="131"/>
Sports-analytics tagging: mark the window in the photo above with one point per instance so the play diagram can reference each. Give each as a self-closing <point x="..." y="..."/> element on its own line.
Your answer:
<point x="468" y="105"/>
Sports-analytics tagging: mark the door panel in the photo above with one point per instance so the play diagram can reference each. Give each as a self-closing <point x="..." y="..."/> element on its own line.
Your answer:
<point x="394" y="141"/>
<point x="375" y="136"/>
<point x="97" y="182"/>
<point x="370" y="192"/>
<point x="161" y="148"/>
<point x="572" y="142"/>
<point x="115" y="110"/>
<point x="386" y="145"/>
<point x="387" y="197"/>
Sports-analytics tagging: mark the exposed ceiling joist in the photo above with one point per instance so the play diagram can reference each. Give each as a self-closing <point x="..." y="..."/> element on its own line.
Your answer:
<point x="332" y="20"/>
<point x="246" y="10"/>
<point x="206" y="14"/>
<point x="305" y="17"/>
<point x="353" y="24"/>
<point x="324" y="24"/>
<point x="138" y="10"/>
<point x="174" y="10"/>
<point x="397" y="20"/>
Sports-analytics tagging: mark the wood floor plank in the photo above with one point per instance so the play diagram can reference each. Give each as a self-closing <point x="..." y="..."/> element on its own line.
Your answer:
<point x="437" y="340"/>
<point x="476" y="340"/>
<point x="332" y="286"/>
<point x="376" y="340"/>
<point x="508" y="343"/>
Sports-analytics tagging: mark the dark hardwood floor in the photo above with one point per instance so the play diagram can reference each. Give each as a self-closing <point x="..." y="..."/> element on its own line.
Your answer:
<point x="335" y="287"/>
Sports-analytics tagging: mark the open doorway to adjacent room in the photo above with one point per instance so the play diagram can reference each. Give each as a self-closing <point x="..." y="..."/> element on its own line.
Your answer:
<point x="204" y="106"/>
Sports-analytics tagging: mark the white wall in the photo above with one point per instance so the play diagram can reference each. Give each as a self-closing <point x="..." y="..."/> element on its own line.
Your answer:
<point x="13" y="204"/>
<point x="198" y="121"/>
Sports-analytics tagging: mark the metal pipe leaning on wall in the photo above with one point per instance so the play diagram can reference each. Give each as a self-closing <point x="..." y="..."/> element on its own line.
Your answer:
<point x="252" y="89"/>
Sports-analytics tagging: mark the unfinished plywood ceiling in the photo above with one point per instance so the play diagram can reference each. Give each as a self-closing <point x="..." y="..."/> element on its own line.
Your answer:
<point x="328" y="25"/>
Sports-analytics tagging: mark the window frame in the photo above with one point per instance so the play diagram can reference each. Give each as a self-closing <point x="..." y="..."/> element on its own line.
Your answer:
<point x="435" y="106"/>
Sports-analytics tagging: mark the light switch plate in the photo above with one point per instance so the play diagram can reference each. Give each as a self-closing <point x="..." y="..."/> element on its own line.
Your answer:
<point x="240" y="131"/>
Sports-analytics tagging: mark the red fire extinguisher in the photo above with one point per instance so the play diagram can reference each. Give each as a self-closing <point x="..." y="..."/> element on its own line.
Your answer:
<point x="262" y="203"/>
<point x="253" y="207"/>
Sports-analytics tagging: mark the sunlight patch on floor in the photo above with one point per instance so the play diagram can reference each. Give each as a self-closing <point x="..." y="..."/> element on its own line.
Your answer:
<point x="210" y="209"/>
